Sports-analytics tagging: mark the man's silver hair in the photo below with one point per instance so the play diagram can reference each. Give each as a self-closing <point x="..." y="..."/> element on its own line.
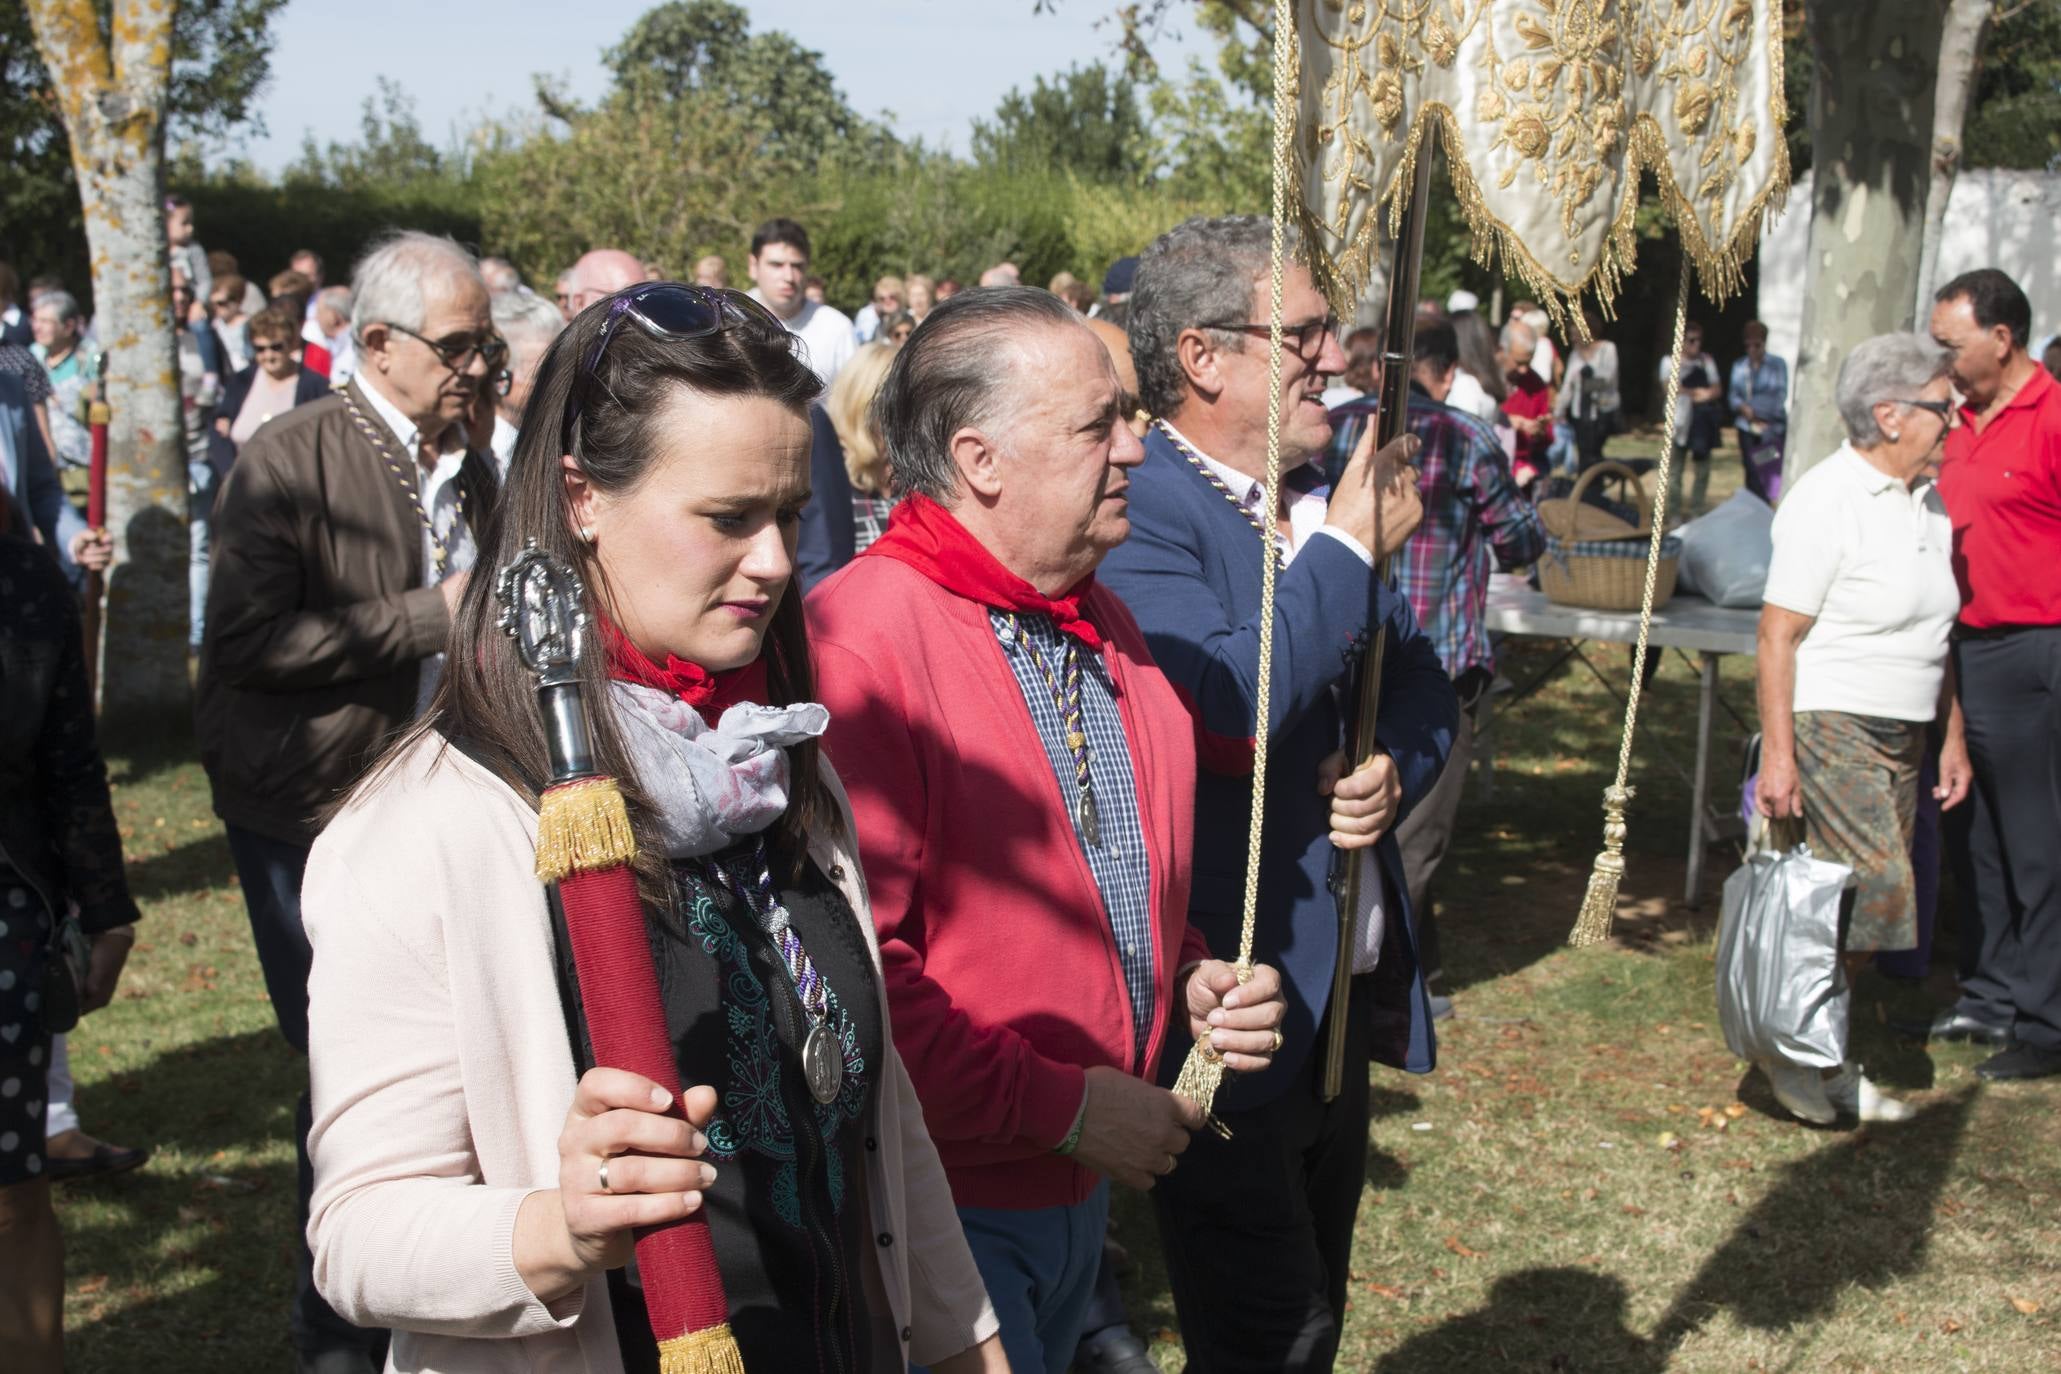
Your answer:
<point x="1515" y="329"/>
<point x="64" y="303"/>
<point x="337" y="298"/>
<point x="392" y="282"/>
<point x="529" y="323"/>
<point x="500" y="275"/>
<point x="1888" y="367"/>
<point x="1201" y="272"/>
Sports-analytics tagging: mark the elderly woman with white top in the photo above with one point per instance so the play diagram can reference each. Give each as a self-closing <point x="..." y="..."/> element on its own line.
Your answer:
<point x="1853" y="666"/>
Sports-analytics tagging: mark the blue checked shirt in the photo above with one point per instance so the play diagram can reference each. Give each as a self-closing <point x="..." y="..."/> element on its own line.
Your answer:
<point x="1122" y="869"/>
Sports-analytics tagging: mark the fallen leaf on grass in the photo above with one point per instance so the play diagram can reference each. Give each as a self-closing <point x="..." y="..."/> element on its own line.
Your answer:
<point x="1454" y="1244"/>
<point x="93" y="1283"/>
<point x="1949" y="1326"/>
<point x="1736" y="1110"/>
<point x="1668" y="1140"/>
<point x="1386" y="1290"/>
<point x="1633" y="1211"/>
<point x="2026" y="1306"/>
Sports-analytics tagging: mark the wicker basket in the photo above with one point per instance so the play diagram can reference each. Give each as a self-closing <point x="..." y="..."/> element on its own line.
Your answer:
<point x="1606" y="573"/>
<point x="1572" y="517"/>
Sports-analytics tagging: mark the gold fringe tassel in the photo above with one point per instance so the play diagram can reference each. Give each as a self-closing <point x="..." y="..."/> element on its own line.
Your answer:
<point x="1599" y="903"/>
<point x="713" y="1351"/>
<point x="1202" y="1073"/>
<point x="582" y="826"/>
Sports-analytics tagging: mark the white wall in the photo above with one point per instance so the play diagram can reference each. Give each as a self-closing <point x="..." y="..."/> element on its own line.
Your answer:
<point x="1996" y="218"/>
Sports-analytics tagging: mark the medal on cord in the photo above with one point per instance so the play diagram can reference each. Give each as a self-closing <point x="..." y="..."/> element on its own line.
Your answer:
<point x="821" y="1055"/>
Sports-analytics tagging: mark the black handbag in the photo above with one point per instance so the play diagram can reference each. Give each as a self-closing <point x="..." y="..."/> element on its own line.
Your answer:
<point x="67" y="961"/>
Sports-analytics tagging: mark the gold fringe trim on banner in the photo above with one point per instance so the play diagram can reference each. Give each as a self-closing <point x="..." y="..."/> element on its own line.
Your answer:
<point x="713" y="1351"/>
<point x="581" y="827"/>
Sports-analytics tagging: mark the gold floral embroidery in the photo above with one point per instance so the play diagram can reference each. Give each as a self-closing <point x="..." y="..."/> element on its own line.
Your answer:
<point x="1566" y="103"/>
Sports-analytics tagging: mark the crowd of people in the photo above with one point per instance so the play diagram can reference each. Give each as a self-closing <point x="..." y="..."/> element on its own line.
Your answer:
<point x="925" y="645"/>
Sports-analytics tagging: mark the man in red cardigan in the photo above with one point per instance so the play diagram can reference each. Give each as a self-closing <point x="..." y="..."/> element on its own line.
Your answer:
<point x="1023" y="779"/>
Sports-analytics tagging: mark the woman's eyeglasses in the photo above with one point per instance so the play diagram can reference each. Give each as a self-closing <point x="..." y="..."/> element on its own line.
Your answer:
<point x="267" y="348"/>
<point x="673" y="311"/>
<point x="1943" y="409"/>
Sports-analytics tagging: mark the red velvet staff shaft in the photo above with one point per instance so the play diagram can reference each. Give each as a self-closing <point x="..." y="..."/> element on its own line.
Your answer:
<point x="626" y="1022"/>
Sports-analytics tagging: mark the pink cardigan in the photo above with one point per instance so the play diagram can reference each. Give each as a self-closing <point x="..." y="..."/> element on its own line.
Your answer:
<point x="1002" y="970"/>
<point x="442" y="1077"/>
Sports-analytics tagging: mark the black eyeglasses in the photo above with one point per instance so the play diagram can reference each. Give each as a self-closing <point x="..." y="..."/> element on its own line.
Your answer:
<point x="673" y="311"/>
<point x="1303" y="338"/>
<point x="267" y="348"/>
<point x="458" y="353"/>
<point x="1943" y="409"/>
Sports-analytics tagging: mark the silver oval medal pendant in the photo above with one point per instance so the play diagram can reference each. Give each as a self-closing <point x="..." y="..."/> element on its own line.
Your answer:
<point x="822" y="1063"/>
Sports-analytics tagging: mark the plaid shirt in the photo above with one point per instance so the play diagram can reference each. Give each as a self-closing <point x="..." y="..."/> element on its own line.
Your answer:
<point x="1122" y="869"/>
<point x="1472" y="508"/>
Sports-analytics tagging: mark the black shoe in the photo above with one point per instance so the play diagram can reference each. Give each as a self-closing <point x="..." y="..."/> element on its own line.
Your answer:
<point x="2019" y="1062"/>
<point x="1120" y="1352"/>
<point x="1952" y="1024"/>
<point x="105" y="1159"/>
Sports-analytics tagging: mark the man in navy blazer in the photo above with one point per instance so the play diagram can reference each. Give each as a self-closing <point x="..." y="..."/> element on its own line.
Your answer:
<point x="1257" y="1229"/>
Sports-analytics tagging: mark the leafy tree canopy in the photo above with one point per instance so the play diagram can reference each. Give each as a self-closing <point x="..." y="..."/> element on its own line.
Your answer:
<point x="221" y="58"/>
<point x="1082" y="120"/>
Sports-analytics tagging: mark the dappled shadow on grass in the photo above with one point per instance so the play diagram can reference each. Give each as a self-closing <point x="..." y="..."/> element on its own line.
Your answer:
<point x="1856" y="1213"/>
<point x="215" y="1207"/>
<point x="192" y="867"/>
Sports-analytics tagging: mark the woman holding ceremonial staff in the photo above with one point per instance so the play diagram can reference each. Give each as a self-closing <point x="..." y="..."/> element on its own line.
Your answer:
<point x="479" y="1182"/>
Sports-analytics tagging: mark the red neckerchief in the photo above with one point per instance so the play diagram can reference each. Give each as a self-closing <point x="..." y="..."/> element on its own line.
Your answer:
<point x="690" y="682"/>
<point x="924" y="535"/>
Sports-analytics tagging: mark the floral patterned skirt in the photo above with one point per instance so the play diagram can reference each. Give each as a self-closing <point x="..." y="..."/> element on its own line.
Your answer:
<point x="1859" y="777"/>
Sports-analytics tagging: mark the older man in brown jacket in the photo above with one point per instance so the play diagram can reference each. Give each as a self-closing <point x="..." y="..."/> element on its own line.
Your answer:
<point x="342" y="540"/>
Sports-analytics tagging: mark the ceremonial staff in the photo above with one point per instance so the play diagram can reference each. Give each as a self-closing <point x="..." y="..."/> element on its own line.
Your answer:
<point x="1349" y="866"/>
<point x="584" y="847"/>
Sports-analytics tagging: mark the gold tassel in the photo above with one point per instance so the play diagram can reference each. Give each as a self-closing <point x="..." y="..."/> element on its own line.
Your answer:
<point x="713" y="1351"/>
<point x="581" y="827"/>
<point x="1599" y="903"/>
<point x="1201" y="1074"/>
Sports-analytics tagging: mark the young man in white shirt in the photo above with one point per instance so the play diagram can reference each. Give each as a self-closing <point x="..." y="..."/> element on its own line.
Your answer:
<point x="779" y="269"/>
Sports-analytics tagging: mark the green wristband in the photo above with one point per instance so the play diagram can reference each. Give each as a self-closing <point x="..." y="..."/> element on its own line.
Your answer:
<point x="1073" y="1137"/>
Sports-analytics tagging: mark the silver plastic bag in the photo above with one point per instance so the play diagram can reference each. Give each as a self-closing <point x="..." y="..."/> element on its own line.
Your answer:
<point x="1781" y="994"/>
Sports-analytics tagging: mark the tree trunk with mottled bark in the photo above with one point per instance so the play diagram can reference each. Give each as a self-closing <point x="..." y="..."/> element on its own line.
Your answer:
<point x="1960" y="49"/>
<point x="1871" y="158"/>
<point x="110" y="83"/>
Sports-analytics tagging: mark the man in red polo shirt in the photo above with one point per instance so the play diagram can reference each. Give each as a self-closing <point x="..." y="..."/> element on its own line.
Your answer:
<point x="2002" y="484"/>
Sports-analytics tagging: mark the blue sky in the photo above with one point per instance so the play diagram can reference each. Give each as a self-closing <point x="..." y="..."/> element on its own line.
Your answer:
<point x="936" y="64"/>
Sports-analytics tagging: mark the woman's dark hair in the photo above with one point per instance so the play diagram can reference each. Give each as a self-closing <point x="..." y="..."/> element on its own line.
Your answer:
<point x="486" y="698"/>
<point x="1478" y="352"/>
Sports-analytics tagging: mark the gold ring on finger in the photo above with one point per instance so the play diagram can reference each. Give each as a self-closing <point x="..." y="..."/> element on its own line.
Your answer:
<point x="1279" y="1040"/>
<point x="1172" y="1162"/>
<point x="601" y="1173"/>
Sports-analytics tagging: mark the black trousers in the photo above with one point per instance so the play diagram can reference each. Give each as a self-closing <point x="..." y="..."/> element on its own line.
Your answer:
<point x="270" y="871"/>
<point x="2005" y="840"/>
<point x="1258" y="1229"/>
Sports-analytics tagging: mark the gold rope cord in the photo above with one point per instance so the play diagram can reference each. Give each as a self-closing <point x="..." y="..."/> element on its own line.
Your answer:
<point x="1203" y="1072"/>
<point x="1599" y="903"/>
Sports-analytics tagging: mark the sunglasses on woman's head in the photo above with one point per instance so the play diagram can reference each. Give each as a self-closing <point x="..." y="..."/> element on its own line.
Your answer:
<point x="669" y="310"/>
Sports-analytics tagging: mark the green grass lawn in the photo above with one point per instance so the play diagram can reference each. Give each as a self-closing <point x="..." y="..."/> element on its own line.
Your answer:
<point x="1589" y="1182"/>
